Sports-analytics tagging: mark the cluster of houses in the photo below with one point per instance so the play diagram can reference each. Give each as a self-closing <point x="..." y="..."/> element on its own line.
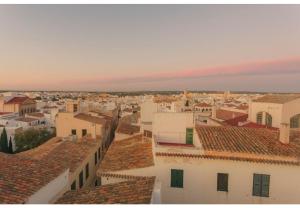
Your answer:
<point x="161" y="149"/>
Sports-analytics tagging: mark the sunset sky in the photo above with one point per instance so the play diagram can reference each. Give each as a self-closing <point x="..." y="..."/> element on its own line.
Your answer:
<point x="150" y="47"/>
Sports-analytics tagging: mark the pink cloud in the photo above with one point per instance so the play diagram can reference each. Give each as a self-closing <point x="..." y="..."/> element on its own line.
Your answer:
<point x="282" y="66"/>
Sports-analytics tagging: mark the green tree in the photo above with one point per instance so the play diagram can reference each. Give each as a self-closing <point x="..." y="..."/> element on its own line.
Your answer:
<point x="3" y="141"/>
<point x="32" y="138"/>
<point x="10" y="147"/>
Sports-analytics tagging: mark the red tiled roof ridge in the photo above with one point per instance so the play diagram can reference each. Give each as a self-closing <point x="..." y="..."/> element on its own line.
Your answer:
<point x="124" y="176"/>
<point x="251" y="156"/>
<point x="219" y="157"/>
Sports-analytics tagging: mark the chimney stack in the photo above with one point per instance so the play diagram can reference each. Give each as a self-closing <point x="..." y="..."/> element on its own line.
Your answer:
<point x="284" y="134"/>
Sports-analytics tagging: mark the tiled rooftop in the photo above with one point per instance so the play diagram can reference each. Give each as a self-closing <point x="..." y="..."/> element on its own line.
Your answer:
<point x="246" y="143"/>
<point x="20" y="177"/>
<point x="138" y="191"/>
<point x="134" y="152"/>
<point x="127" y="128"/>
<point x="69" y="154"/>
<point x="280" y="98"/>
<point x="227" y="115"/>
<point x="19" y="100"/>
<point x="92" y="119"/>
<point x="258" y="126"/>
<point x="235" y="121"/>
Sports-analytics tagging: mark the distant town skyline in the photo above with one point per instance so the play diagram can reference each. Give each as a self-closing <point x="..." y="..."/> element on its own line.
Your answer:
<point x="150" y="47"/>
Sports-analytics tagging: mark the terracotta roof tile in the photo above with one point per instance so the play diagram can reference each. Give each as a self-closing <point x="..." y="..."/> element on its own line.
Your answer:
<point x="227" y="115"/>
<point x="69" y="154"/>
<point x="258" y="126"/>
<point x="279" y="98"/>
<point x="228" y="157"/>
<point x="21" y="177"/>
<point x="247" y="143"/>
<point x="137" y="191"/>
<point x="19" y="100"/>
<point x="125" y="128"/>
<point x="134" y="152"/>
<point x="92" y="119"/>
<point x="235" y="121"/>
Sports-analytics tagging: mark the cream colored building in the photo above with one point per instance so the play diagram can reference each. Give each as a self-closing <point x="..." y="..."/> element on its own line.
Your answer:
<point x="79" y="125"/>
<point x="21" y="105"/>
<point x="274" y="110"/>
<point x="212" y="164"/>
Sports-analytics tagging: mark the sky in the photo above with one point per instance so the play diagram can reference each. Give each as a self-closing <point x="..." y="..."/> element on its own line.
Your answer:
<point x="150" y="47"/>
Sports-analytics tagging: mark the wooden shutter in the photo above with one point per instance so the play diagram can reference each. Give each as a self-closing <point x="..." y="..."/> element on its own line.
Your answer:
<point x="189" y="136"/>
<point x="180" y="178"/>
<point x="256" y="185"/>
<point x="222" y="182"/>
<point x="177" y="178"/>
<point x="265" y="185"/>
<point x="173" y="178"/>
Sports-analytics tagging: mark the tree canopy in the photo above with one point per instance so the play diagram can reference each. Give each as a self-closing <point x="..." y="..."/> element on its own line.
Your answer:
<point x="32" y="138"/>
<point x="3" y="142"/>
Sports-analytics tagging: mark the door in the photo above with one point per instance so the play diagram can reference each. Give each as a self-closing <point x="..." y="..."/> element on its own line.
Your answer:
<point x="189" y="136"/>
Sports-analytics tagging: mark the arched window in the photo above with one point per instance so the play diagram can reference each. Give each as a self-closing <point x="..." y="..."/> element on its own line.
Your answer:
<point x="295" y="121"/>
<point x="268" y="119"/>
<point x="259" y="118"/>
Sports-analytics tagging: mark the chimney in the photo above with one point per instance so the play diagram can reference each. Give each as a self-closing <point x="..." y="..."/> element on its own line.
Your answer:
<point x="284" y="134"/>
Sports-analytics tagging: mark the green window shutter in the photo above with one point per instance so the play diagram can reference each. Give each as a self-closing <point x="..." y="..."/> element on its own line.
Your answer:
<point x="173" y="178"/>
<point x="180" y="178"/>
<point x="176" y="178"/>
<point x="256" y="185"/>
<point x="189" y="135"/>
<point x="222" y="182"/>
<point x="265" y="185"/>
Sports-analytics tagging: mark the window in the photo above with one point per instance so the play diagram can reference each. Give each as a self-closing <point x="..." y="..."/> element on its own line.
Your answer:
<point x="81" y="179"/>
<point x="222" y="182"/>
<point x="87" y="171"/>
<point x="75" y="107"/>
<point x="73" y="131"/>
<point x="84" y="132"/>
<point x="96" y="158"/>
<point x="268" y="119"/>
<point x="259" y="118"/>
<point x="261" y="184"/>
<point x="73" y="186"/>
<point x="189" y="135"/>
<point x="176" y="178"/>
<point x="294" y="121"/>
